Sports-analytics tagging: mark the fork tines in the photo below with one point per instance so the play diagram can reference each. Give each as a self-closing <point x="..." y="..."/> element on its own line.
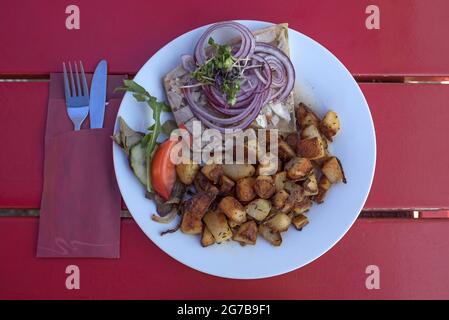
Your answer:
<point x="76" y="95"/>
<point x="73" y="87"/>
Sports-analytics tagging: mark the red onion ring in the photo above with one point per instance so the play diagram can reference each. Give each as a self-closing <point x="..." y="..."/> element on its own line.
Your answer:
<point x="282" y="58"/>
<point x="188" y="63"/>
<point x="273" y="79"/>
<point x="247" y="47"/>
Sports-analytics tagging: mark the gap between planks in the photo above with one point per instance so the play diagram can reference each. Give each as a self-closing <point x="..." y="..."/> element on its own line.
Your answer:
<point x="126" y="214"/>
<point x="360" y="78"/>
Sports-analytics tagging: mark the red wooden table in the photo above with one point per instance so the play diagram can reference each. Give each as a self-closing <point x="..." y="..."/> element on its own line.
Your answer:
<point x="401" y="68"/>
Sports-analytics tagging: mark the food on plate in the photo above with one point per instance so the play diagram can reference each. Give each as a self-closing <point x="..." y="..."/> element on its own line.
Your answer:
<point x="187" y="171"/>
<point x="245" y="189"/>
<point x="333" y="170"/>
<point x="246" y="233"/>
<point x="306" y="117"/>
<point x="238" y="171"/>
<point x="207" y="239"/>
<point x="162" y="170"/>
<point x="300" y="221"/>
<point x="279" y="180"/>
<point x="194" y="210"/>
<point x="258" y="209"/>
<point x="280" y="200"/>
<point x="218" y="225"/>
<point x="280" y="222"/>
<point x="233" y="209"/>
<point x="270" y="235"/>
<point x="149" y="141"/>
<point x="311" y="148"/>
<point x="264" y="187"/>
<point x="299" y="168"/>
<point x="323" y="186"/>
<point x="138" y="162"/>
<point x="213" y="172"/>
<point x="245" y="83"/>
<point x="330" y="125"/>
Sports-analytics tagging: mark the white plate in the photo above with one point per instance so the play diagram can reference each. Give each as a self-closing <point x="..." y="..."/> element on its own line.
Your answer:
<point x="325" y="83"/>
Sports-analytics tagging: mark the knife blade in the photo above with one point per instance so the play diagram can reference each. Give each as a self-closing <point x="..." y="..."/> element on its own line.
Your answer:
<point x="98" y="95"/>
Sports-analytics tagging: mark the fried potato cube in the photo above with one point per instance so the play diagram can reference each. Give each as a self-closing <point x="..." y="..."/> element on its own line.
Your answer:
<point x="187" y="171"/>
<point x="323" y="187"/>
<point x="285" y="152"/>
<point x="201" y="183"/>
<point x="268" y="165"/>
<point x="311" y="148"/>
<point x="280" y="199"/>
<point x="207" y="239"/>
<point x="193" y="211"/>
<point x="295" y="198"/>
<point x="191" y="224"/>
<point x="244" y="189"/>
<point x="310" y="185"/>
<point x="233" y="209"/>
<point x="226" y="186"/>
<point x="310" y="131"/>
<point x="217" y="223"/>
<point x="300" y="221"/>
<point x="271" y="236"/>
<point x="330" y="125"/>
<point x="306" y="117"/>
<point x="333" y="170"/>
<point x="279" y="222"/>
<point x="264" y="187"/>
<point x="247" y="233"/>
<point x="238" y="171"/>
<point x="298" y="168"/>
<point x="232" y="224"/>
<point x="302" y="206"/>
<point x="279" y="180"/>
<point x="292" y="140"/>
<point x="258" y="209"/>
<point x="213" y="172"/>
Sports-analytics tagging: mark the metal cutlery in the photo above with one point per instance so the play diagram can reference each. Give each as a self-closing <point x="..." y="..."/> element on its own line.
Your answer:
<point x="76" y="95"/>
<point x="98" y="95"/>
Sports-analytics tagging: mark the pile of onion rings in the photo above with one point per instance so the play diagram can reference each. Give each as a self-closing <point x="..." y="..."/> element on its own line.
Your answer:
<point x="270" y="76"/>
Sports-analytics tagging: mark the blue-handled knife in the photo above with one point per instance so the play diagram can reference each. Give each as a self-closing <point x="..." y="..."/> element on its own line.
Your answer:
<point x="97" y="101"/>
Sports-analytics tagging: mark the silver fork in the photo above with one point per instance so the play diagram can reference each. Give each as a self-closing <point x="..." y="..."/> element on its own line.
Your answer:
<point x="76" y="96"/>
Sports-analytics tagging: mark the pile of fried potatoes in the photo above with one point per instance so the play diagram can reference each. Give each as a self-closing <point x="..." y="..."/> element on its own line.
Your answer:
<point x="239" y="202"/>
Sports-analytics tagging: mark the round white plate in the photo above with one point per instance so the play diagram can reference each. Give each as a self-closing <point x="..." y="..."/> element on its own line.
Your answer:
<point x="324" y="83"/>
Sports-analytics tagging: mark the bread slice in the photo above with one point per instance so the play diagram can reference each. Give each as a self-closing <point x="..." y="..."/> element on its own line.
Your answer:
<point x="280" y="115"/>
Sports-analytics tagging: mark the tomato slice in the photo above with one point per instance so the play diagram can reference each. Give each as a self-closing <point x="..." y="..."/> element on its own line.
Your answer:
<point x="163" y="171"/>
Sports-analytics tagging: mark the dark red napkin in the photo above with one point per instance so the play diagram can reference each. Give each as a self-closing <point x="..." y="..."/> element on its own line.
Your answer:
<point x="80" y="207"/>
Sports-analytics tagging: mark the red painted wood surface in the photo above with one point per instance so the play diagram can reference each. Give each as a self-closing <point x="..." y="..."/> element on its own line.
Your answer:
<point x="413" y="154"/>
<point x="412" y="38"/>
<point x="23" y="112"/>
<point x="410" y="121"/>
<point x="434" y="214"/>
<point x="411" y="255"/>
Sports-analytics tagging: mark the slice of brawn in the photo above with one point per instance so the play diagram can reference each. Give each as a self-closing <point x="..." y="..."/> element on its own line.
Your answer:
<point x="276" y="35"/>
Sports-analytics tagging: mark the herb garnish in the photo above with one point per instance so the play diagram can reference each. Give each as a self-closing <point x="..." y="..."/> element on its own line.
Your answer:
<point x="223" y="70"/>
<point x="149" y="142"/>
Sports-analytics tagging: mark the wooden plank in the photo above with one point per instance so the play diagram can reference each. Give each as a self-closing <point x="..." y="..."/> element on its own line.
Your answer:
<point x="412" y="159"/>
<point x="411" y="256"/>
<point x="411" y="39"/>
<point x="410" y="120"/>
<point x="23" y="112"/>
